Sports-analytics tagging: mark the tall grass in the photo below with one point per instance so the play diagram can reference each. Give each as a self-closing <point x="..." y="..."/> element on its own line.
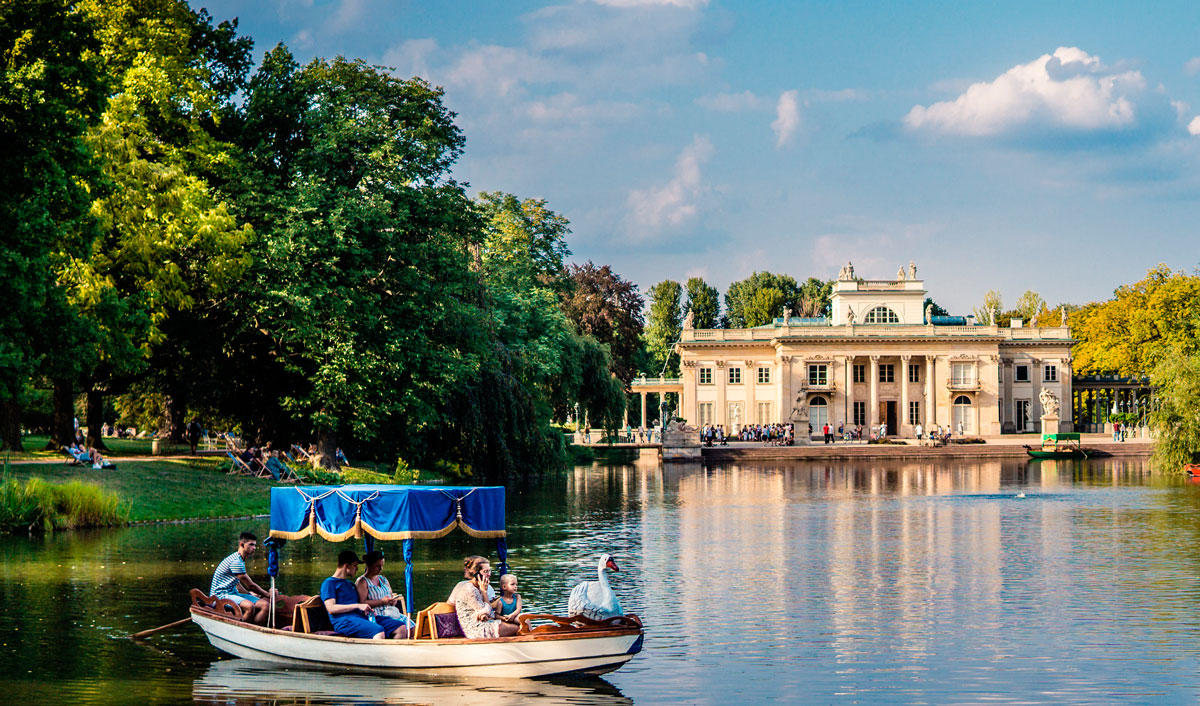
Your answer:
<point x="38" y="506"/>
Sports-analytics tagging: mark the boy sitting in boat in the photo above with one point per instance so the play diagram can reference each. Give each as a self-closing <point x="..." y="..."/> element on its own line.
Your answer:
<point x="348" y="615"/>
<point x="231" y="581"/>
<point x="508" y="604"/>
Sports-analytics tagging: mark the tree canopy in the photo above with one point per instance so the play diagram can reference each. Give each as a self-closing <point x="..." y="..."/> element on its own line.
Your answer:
<point x="703" y="302"/>
<point x="744" y="296"/>
<point x="664" y="326"/>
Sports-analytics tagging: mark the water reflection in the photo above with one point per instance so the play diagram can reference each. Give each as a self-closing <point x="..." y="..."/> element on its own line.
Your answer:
<point x="879" y="582"/>
<point x="248" y="683"/>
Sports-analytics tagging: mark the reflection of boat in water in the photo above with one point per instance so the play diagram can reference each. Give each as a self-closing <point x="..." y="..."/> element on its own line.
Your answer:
<point x="1058" y="446"/>
<point x="574" y="645"/>
<point x="246" y="682"/>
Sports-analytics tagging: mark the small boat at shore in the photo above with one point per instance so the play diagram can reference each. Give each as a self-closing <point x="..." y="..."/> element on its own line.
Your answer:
<point x="556" y="646"/>
<point x="1058" y="446"/>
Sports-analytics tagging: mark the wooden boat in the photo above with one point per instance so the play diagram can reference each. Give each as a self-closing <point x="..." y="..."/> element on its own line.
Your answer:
<point x="1192" y="469"/>
<point x="555" y="646"/>
<point x="1058" y="446"/>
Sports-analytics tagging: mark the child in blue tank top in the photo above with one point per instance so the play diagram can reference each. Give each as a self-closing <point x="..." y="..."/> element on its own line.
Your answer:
<point x="508" y="603"/>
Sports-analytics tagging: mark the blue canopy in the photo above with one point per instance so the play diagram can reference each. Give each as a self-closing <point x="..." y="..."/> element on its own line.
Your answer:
<point x="386" y="512"/>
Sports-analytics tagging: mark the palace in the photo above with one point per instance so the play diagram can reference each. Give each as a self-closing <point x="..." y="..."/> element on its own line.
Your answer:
<point x="881" y="357"/>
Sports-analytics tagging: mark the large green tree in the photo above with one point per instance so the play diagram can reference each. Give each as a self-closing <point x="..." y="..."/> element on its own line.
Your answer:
<point x="816" y="298"/>
<point x="1176" y="418"/>
<point x="361" y="309"/>
<point x="703" y="303"/>
<point x="51" y="92"/>
<point x="741" y="294"/>
<point x="663" y="326"/>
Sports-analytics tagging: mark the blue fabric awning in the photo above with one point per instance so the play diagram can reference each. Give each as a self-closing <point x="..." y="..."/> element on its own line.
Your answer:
<point x="386" y="511"/>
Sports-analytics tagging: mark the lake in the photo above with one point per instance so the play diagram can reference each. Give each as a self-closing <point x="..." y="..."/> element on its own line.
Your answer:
<point x="815" y="582"/>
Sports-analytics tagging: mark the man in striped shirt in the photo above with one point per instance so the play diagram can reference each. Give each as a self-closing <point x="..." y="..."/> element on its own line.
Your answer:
<point x="231" y="581"/>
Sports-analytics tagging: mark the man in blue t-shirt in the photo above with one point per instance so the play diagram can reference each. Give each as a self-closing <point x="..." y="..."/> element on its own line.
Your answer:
<point x="346" y="610"/>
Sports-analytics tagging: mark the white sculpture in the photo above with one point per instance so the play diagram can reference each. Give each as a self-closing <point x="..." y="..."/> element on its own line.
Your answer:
<point x="850" y="315"/>
<point x="689" y="320"/>
<point x="912" y="270"/>
<point x="846" y="273"/>
<point x="787" y="315"/>
<point x="929" y="313"/>
<point x="900" y="275"/>
<point x="1049" y="403"/>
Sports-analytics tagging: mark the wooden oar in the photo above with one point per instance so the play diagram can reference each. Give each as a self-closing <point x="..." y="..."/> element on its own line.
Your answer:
<point x="160" y="628"/>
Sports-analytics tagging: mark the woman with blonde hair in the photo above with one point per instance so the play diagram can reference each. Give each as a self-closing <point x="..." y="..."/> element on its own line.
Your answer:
<point x="475" y="615"/>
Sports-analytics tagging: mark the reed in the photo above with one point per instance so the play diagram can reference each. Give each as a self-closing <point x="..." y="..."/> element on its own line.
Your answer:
<point x="35" y="505"/>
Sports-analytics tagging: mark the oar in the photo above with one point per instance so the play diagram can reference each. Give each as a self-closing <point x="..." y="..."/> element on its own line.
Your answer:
<point x="160" y="628"/>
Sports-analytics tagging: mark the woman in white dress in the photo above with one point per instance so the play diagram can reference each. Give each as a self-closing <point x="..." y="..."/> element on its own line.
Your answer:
<point x="476" y="617"/>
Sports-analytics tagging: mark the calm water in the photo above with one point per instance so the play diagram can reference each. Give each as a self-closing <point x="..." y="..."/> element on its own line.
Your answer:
<point x="823" y="583"/>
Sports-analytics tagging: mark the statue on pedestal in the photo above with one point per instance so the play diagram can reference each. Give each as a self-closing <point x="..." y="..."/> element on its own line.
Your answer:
<point x="689" y="320"/>
<point x="929" y="313"/>
<point x="900" y="275"/>
<point x="846" y="273"/>
<point x="787" y="315"/>
<point x="1049" y="402"/>
<point x="912" y="270"/>
<point x="850" y="315"/>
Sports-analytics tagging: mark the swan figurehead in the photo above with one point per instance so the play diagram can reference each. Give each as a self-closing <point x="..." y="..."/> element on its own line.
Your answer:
<point x="595" y="599"/>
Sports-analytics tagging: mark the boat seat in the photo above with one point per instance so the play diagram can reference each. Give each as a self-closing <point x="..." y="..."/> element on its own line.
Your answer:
<point x="222" y="605"/>
<point x="427" y="624"/>
<point x="310" y="616"/>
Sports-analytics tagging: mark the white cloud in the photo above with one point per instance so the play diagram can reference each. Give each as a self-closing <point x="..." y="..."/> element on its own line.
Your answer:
<point x="412" y="57"/>
<point x="733" y="102"/>
<point x="787" y="118"/>
<point x="1067" y="90"/>
<point x="567" y="107"/>
<point x="1191" y="67"/>
<point x="302" y="39"/>
<point x="1194" y="126"/>
<point x="349" y="14"/>
<point x="677" y="201"/>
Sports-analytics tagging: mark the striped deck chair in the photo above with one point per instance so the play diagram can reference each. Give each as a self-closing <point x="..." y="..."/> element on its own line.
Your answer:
<point x="231" y="444"/>
<point x="240" y="467"/>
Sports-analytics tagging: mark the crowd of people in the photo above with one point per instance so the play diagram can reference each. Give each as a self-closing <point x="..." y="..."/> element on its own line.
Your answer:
<point x="366" y="606"/>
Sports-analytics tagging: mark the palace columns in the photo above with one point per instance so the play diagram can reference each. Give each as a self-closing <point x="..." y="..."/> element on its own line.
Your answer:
<point x="688" y="408"/>
<point x="1036" y="402"/>
<point x="719" y="414"/>
<point x="750" y="381"/>
<point x="902" y="422"/>
<point x="643" y="410"/>
<point x="1007" y="413"/>
<point x="873" y="411"/>
<point x="1068" y="393"/>
<point x="785" y="388"/>
<point x="848" y="371"/>
<point x="930" y="394"/>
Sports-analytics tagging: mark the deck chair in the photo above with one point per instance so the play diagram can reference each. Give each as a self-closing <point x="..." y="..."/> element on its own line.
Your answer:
<point x="231" y="444"/>
<point x="302" y="456"/>
<point x="240" y="467"/>
<point x="427" y="624"/>
<point x="72" y="459"/>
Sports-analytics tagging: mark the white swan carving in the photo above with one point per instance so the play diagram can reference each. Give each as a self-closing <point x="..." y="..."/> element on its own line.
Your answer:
<point x="594" y="599"/>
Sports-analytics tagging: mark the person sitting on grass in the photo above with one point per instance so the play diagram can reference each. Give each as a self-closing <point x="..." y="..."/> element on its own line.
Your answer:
<point x="347" y="613"/>
<point x="231" y="581"/>
<point x="508" y="603"/>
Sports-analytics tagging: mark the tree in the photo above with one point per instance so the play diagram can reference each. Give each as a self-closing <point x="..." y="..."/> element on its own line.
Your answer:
<point x="51" y="93"/>
<point x="987" y="313"/>
<point x="609" y="309"/>
<point x="703" y="302"/>
<point x="1134" y="331"/>
<point x="936" y="310"/>
<point x="743" y="292"/>
<point x="1029" y="304"/>
<point x="816" y="298"/>
<point x="1176" y="420"/>
<point x="361" y="311"/>
<point x="763" y="306"/>
<point x="664" y="326"/>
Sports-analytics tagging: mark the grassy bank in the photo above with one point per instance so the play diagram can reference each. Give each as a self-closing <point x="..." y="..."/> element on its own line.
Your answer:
<point x="166" y="489"/>
<point x="116" y="447"/>
<point x="37" y="505"/>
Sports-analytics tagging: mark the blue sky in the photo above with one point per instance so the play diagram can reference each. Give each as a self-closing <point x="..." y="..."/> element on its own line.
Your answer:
<point x="1010" y="146"/>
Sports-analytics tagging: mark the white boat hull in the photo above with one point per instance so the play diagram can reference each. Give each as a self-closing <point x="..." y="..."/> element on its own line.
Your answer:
<point x="519" y="657"/>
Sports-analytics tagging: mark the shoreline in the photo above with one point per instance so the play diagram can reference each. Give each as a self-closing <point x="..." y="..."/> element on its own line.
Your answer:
<point x="748" y="451"/>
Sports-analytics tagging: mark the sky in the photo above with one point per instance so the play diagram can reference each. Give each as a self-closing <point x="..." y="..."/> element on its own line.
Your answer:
<point x="1009" y="146"/>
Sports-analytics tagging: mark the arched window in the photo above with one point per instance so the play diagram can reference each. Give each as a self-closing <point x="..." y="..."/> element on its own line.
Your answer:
<point x="881" y="315"/>
<point x="818" y="413"/>
<point x="962" y="415"/>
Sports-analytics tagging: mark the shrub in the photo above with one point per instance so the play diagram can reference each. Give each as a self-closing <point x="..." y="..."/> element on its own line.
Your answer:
<point x="361" y="475"/>
<point x="404" y="473"/>
<point x="36" y="505"/>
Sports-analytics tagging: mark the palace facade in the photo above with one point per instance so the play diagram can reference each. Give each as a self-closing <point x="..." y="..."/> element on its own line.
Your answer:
<point x="881" y="357"/>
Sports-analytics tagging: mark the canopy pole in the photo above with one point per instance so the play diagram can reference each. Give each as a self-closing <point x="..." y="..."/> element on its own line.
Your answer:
<point x="502" y="554"/>
<point x="408" y="576"/>
<point x="368" y="544"/>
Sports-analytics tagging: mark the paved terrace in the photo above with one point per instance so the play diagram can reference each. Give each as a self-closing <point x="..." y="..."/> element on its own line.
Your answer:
<point x="1008" y="446"/>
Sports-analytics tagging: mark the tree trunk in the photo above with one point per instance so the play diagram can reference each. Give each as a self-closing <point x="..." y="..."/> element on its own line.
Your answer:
<point x="327" y="450"/>
<point x="176" y="411"/>
<point x="62" y="431"/>
<point x="95" y="419"/>
<point x="10" y="425"/>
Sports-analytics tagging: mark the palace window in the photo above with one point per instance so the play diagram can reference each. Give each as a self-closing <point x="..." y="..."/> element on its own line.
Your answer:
<point x="764" y="413"/>
<point x="764" y="376"/>
<point x="706" y="413"/>
<point x="1022" y="373"/>
<point x="706" y="376"/>
<point x="914" y="373"/>
<point x="962" y="414"/>
<point x="735" y="376"/>
<point x="881" y="315"/>
<point x="962" y="373"/>
<point x="860" y="413"/>
<point x="1050" y="373"/>
<point x="818" y="374"/>
<point x="914" y="413"/>
<point x="860" y="373"/>
<point x="887" y="372"/>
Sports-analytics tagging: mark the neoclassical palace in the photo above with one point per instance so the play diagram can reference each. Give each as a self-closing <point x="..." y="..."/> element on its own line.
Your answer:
<point x="880" y="358"/>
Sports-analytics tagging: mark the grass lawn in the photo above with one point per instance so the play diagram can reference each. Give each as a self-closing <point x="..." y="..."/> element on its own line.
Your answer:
<point x="116" y="447"/>
<point x="167" y="489"/>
